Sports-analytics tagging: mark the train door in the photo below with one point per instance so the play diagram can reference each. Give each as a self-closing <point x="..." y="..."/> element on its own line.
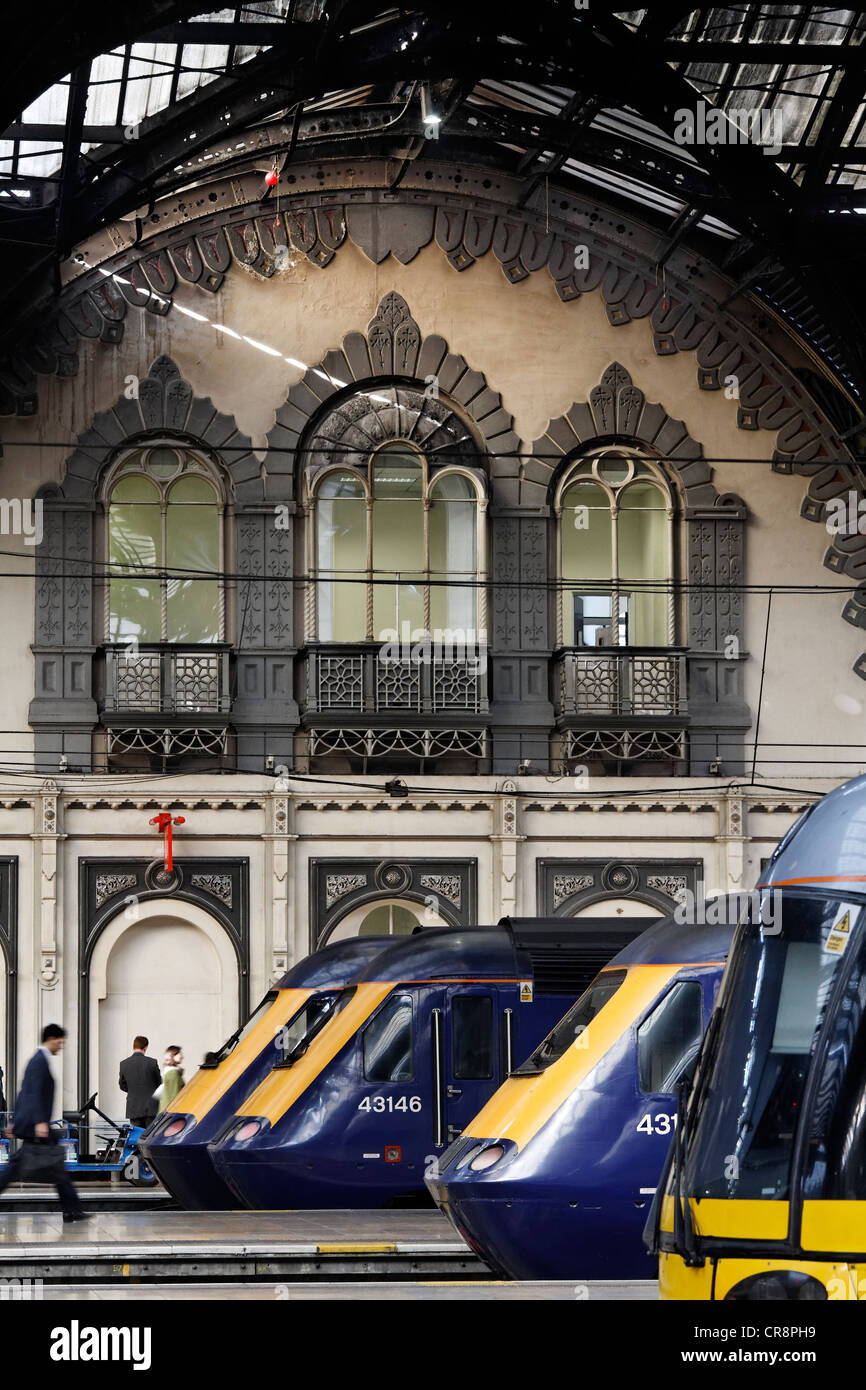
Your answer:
<point x="668" y="1040"/>
<point x="470" y="1064"/>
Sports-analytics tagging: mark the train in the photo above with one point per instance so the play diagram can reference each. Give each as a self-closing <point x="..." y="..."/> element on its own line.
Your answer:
<point x="764" y="1196"/>
<point x="412" y="1049"/>
<point x="175" y="1145"/>
<point x="554" y="1177"/>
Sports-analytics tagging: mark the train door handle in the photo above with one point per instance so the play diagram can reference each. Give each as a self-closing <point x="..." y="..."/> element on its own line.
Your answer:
<point x="453" y="1092"/>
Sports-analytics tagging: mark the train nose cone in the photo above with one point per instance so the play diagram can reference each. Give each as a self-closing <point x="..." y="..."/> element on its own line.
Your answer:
<point x="176" y="1149"/>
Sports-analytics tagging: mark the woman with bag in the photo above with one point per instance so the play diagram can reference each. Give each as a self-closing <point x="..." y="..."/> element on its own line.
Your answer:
<point x="40" y="1157"/>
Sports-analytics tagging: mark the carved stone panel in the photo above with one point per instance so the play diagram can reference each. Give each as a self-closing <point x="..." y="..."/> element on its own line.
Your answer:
<point x="566" y="886"/>
<point x="338" y="886"/>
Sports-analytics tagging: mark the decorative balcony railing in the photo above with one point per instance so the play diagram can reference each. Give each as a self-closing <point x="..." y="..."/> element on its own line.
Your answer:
<point x="168" y="680"/>
<point x="359" y="679"/>
<point x="625" y="682"/>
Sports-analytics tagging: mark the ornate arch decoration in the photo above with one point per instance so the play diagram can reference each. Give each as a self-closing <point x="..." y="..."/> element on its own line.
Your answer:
<point x="618" y="411"/>
<point x="440" y="397"/>
<point x="216" y="888"/>
<point x="163" y="403"/>
<point x="63" y="712"/>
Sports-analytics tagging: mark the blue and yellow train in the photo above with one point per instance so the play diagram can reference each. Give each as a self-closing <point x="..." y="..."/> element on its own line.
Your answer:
<point x="285" y="1022"/>
<point x="422" y="1039"/>
<point x="765" y="1193"/>
<point x="367" y="1060"/>
<point x="554" y="1177"/>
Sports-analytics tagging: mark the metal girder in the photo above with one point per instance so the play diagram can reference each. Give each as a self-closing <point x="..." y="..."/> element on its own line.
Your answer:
<point x="37" y="55"/>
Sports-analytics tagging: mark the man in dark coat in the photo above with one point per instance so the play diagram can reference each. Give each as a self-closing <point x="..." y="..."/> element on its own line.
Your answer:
<point x="139" y="1078"/>
<point x="31" y="1123"/>
<point x="2" y="1097"/>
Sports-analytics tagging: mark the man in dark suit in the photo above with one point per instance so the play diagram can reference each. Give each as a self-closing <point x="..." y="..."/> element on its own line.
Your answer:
<point x="139" y="1078"/>
<point x="31" y="1123"/>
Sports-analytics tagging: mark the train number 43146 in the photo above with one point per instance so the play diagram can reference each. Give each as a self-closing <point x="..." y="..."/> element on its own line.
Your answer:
<point x="380" y="1103"/>
<point x="657" y="1124"/>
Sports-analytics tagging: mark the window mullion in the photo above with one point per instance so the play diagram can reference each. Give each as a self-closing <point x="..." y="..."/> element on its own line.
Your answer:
<point x="163" y="583"/>
<point x="369" y="618"/>
<point x="614" y="586"/>
<point x="426" y="618"/>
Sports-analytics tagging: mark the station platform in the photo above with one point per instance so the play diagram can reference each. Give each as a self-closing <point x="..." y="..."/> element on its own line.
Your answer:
<point x="192" y="1247"/>
<point x="419" y="1291"/>
<point x="98" y="1197"/>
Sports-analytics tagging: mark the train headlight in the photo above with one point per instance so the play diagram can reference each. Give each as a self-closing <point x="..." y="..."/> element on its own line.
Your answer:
<point x="777" y="1285"/>
<point x="177" y="1126"/>
<point x="486" y="1158"/>
<point x="468" y="1157"/>
<point x="247" y="1131"/>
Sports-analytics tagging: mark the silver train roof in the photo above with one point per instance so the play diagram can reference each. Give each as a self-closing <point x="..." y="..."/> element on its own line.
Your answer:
<point x="826" y="847"/>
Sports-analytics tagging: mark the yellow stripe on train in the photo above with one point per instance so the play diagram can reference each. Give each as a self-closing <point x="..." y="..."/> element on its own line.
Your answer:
<point x="204" y="1089"/>
<point x="280" y="1089"/>
<point x="523" y="1104"/>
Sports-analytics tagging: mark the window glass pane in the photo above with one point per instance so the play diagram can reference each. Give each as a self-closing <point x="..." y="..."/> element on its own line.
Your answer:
<point x="452" y="552"/>
<point x="388" y="920"/>
<point x="134" y="488"/>
<point x="396" y="475"/>
<point x="341" y="485"/>
<point x="773" y="998"/>
<point x="293" y="1041"/>
<point x="472" y="1037"/>
<point x="135" y="540"/>
<point x="388" y="1042"/>
<point x="569" y="1028"/>
<point x="341" y="523"/>
<point x="669" y="1038"/>
<point x="452" y="488"/>
<point x="586" y="554"/>
<point x="398" y="542"/>
<point x="642" y="536"/>
<point x="192" y="487"/>
<point x="163" y="463"/>
<point x="192" y="543"/>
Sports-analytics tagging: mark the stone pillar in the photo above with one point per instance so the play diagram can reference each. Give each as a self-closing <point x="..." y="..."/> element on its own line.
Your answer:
<point x="718" y="715"/>
<point x="47" y="869"/>
<point x="264" y="710"/>
<point x="732" y="838"/>
<point x="505" y="841"/>
<point x="279" y="877"/>
<point x="63" y="712"/>
<point x="521" y="713"/>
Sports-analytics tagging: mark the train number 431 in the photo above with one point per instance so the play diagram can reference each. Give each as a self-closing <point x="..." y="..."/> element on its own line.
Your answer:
<point x="657" y="1124"/>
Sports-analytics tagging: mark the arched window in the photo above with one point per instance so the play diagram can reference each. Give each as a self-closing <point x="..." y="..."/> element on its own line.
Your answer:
<point x="616" y="553"/>
<point x="164" y="541"/>
<point x="396" y="544"/>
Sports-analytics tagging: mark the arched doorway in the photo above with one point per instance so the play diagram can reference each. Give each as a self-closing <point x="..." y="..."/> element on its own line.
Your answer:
<point x="170" y="974"/>
<point x="385" y="917"/>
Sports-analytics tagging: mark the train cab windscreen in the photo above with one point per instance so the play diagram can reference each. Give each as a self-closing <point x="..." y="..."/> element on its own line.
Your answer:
<point x="773" y="1002"/>
<point x="213" y="1059"/>
<point x="293" y="1040"/>
<point x="569" y="1028"/>
<point x="388" y="1042"/>
<point x="669" y="1038"/>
